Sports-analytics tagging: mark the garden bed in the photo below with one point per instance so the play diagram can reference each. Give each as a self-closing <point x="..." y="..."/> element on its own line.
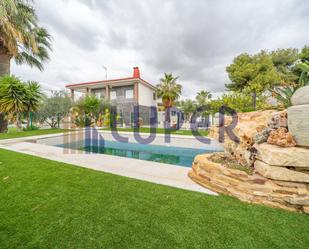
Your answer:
<point x="230" y="162"/>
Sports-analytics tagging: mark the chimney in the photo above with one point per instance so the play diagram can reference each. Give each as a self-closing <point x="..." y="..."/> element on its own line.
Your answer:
<point x="136" y="73"/>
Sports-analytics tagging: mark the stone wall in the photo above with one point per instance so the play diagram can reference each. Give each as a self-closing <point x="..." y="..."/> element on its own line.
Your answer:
<point x="264" y="186"/>
<point x="248" y="126"/>
<point x="280" y="175"/>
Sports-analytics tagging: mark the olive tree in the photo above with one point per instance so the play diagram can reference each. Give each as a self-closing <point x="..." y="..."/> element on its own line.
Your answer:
<point x="53" y="109"/>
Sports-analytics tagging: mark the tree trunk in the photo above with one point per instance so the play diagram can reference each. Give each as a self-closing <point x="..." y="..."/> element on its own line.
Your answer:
<point x="5" y="59"/>
<point x="167" y="104"/>
<point x="254" y="100"/>
<point x="28" y="119"/>
<point x="17" y="121"/>
<point x="3" y="124"/>
<point x="58" y="120"/>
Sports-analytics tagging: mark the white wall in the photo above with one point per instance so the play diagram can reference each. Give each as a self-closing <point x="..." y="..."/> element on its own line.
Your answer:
<point x="145" y="95"/>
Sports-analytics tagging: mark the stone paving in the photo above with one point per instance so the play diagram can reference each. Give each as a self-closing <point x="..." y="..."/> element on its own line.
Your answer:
<point x="160" y="173"/>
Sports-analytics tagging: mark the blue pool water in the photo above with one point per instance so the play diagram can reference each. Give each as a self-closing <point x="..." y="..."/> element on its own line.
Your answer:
<point x="163" y="154"/>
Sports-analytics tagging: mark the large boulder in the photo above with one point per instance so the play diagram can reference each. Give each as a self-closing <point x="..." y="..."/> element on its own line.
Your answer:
<point x="298" y="119"/>
<point x="280" y="173"/>
<point x="301" y="96"/>
<point x="284" y="157"/>
<point x="248" y="125"/>
<point x="298" y="200"/>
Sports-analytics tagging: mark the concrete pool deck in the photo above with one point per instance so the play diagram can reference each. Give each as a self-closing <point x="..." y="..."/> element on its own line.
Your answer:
<point x="160" y="173"/>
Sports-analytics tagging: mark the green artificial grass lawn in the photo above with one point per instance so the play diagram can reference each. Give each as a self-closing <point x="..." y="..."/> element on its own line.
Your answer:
<point x="13" y="133"/>
<point x="162" y="131"/>
<point x="47" y="204"/>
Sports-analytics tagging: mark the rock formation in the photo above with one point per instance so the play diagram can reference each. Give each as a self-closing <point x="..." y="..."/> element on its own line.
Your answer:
<point x="279" y="119"/>
<point x="298" y="119"/>
<point x="300" y="97"/>
<point x="280" y="175"/>
<point x="281" y="137"/>
<point x="272" y="186"/>
<point x="298" y="116"/>
<point x="249" y="125"/>
<point x="262" y="136"/>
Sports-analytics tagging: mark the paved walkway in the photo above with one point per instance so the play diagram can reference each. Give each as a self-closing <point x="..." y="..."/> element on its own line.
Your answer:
<point x="166" y="174"/>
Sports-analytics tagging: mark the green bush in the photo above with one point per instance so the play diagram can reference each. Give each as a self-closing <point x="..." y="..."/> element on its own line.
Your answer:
<point x="89" y="110"/>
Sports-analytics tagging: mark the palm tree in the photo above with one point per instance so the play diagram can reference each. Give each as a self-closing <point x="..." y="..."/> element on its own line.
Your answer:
<point x="169" y="91"/>
<point x="203" y="97"/>
<point x="13" y="97"/>
<point x="33" y="98"/>
<point x="21" y="38"/>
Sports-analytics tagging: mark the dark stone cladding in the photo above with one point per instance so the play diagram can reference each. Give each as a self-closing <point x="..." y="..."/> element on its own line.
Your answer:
<point x="125" y="106"/>
<point x="126" y="109"/>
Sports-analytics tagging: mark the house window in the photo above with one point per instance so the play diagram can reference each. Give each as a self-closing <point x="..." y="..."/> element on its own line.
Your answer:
<point x="129" y="94"/>
<point x="98" y="95"/>
<point x="154" y="96"/>
<point x="98" y="92"/>
<point x="113" y="95"/>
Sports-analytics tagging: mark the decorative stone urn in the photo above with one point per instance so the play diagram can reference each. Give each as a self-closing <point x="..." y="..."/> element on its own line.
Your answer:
<point x="298" y="116"/>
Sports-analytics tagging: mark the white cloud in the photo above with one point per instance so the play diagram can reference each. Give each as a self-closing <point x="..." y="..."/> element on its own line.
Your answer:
<point x="193" y="39"/>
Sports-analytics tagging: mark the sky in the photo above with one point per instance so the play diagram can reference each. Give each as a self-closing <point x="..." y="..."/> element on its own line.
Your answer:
<point x="194" y="39"/>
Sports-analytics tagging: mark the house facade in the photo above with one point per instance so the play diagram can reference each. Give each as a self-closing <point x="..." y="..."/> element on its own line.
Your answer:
<point x="124" y="93"/>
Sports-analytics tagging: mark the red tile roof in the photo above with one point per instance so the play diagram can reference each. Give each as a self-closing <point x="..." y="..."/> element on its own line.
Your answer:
<point x="108" y="81"/>
<point x="136" y="75"/>
<point x="99" y="81"/>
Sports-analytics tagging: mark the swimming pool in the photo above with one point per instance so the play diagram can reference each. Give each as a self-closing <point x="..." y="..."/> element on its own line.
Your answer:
<point x="157" y="153"/>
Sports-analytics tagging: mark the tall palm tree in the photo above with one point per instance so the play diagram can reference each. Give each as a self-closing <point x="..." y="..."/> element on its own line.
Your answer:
<point x="21" y="38"/>
<point x="13" y="97"/>
<point x="34" y="96"/>
<point x="169" y="90"/>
